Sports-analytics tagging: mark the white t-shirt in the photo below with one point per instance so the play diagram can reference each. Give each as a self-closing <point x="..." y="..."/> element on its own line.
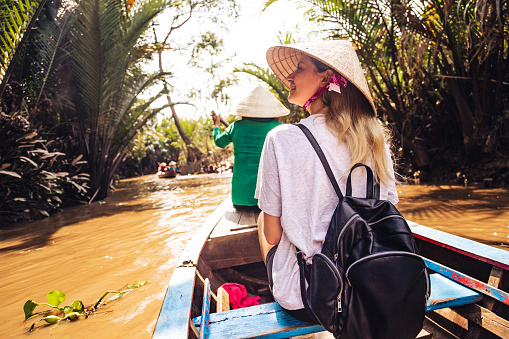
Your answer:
<point x="292" y="184"/>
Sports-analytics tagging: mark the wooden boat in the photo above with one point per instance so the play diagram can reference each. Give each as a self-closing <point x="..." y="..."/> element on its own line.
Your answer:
<point x="166" y="174"/>
<point x="469" y="285"/>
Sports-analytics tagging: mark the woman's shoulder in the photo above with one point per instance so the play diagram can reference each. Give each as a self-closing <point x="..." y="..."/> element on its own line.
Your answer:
<point x="282" y="131"/>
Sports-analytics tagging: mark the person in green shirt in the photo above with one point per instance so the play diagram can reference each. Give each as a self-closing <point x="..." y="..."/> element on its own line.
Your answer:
<point x="259" y="111"/>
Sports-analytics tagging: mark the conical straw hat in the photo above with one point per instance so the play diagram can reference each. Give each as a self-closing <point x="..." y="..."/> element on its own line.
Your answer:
<point x="337" y="54"/>
<point x="260" y="103"/>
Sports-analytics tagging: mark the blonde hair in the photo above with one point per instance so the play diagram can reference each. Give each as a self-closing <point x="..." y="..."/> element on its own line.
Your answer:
<point x="351" y="118"/>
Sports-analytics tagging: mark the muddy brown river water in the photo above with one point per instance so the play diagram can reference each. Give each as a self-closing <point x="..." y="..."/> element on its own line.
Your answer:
<point x="139" y="233"/>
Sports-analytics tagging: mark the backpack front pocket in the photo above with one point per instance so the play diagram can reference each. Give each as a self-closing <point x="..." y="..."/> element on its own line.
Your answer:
<point x="324" y="291"/>
<point x="388" y="288"/>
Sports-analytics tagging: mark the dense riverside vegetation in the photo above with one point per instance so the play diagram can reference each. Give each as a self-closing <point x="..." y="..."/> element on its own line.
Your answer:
<point x="439" y="71"/>
<point x="72" y="118"/>
<point x="71" y="79"/>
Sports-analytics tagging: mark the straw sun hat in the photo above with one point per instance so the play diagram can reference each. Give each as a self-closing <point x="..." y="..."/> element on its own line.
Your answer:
<point x="337" y="54"/>
<point x="260" y="103"/>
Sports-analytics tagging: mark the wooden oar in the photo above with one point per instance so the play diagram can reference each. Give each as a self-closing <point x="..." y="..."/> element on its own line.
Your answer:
<point x="221" y="119"/>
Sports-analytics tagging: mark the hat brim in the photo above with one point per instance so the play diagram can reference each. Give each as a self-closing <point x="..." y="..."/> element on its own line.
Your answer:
<point x="339" y="55"/>
<point x="260" y="103"/>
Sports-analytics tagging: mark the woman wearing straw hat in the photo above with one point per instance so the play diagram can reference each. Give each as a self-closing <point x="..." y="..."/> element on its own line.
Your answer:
<point x="295" y="195"/>
<point x="259" y="112"/>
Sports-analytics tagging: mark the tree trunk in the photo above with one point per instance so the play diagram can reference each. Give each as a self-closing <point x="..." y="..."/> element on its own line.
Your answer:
<point x="468" y="124"/>
<point x="194" y="153"/>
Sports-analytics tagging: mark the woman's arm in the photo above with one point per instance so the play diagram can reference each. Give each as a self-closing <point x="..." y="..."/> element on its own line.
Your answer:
<point x="272" y="229"/>
<point x="223" y="139"/>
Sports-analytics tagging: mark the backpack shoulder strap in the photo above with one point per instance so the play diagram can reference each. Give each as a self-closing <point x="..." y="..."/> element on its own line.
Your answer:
<point x="320" y="154"/>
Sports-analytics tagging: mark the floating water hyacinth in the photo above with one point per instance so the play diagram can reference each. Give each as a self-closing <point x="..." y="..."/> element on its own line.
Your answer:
<point x="71" y="312"/>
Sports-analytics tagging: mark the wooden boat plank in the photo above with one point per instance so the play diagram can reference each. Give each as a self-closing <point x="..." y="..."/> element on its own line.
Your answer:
<point x="269" y="319"/>
<point x="173" y="320"/>
<point x="218" y="251"/>
<point x="470" y="282"/>
<point x="482" y="252"/>
<point x="447" y="293"/>
<point x="485" y="318"/>
<point x="247" y="220"/>
<point x="228" y="222"/>
<point x="205" y="311"/>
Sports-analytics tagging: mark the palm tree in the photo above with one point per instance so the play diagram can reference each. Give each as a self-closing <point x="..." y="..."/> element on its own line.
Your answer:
<point x="109" y="82"/>
<point x="16" y="21"/>
<point x="47" y="53"/>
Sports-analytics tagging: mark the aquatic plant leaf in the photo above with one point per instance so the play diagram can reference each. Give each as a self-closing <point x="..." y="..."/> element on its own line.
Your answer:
<point x="78" y="306"/>
<point x="51" y="319"/>
<point x="55" y="297"/>
<point x="4" y="166"/>
<point x="118" y="295"/>
<point x="38" y="313"/>
<point x="137" y="284"/>
<point x="29" y="307"/>
<point x="68" y="309"/>
<point x="73" y="315"/>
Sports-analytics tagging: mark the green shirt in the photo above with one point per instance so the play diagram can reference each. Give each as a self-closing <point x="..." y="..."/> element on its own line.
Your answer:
<point x="248" y="136"/>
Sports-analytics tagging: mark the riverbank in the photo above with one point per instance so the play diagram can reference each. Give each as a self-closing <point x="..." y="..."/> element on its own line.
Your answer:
<point x="490" y="171"/>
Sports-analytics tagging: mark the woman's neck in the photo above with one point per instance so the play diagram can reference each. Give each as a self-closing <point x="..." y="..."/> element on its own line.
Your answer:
<point x="317" y="107"/>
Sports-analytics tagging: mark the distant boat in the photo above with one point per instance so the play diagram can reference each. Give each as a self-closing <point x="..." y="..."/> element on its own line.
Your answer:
<point x="167" y="171"/>
<point x="167" y="174"/>
<point x="469" y="284"/>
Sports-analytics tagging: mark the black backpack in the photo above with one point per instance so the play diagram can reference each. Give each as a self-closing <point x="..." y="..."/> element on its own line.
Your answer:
<point x="368" y="281"/>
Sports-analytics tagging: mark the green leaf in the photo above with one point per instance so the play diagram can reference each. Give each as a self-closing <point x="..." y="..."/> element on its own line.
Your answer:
<point x="73" y="315"/>
<point x="118" y="295"/>
<point x="55" y="297"/>
<point x="29" y="307"/>
<point x="78" y="306"/>
<point x="38" y="313"/>
<point x="138" y="284"/>
<point x="51" y="319"/>
<point x="68" y="309"/>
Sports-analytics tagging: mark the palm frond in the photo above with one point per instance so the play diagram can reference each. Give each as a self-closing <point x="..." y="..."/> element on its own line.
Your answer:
<point x="17" y="19"/>
<point x="49" y="47"/>
<point x="97" y="32"/>
<point x="139" y="19"/>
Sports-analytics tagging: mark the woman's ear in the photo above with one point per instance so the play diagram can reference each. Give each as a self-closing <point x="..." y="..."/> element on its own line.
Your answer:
<point x="326" y="77"/>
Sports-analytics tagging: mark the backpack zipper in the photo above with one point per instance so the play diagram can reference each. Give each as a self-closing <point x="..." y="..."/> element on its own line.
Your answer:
<point x="338" y="276"/>
<point x="428" y="292"/>
<point x="386" y="217"/>
<point x="347" y="224"/>
<point x="381" y="254"/>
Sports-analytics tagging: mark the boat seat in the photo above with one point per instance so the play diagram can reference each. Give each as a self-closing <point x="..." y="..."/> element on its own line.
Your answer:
<point x="271" y="321"/>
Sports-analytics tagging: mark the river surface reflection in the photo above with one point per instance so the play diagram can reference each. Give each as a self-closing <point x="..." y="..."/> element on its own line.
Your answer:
<point x="139" y="233"/>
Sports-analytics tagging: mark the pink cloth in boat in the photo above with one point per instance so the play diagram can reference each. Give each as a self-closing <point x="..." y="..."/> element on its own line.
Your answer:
<point x="238" y="296"/>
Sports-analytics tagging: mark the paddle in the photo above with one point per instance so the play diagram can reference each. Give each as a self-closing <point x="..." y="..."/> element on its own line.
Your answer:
<point x="221" y="119"/>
